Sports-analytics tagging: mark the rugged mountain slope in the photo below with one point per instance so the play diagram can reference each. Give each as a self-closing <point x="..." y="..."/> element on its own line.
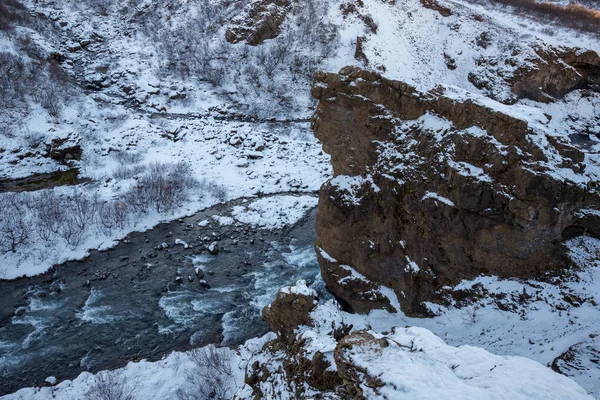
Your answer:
<point x="225" y="86"/>
<point x="432" y="188"/>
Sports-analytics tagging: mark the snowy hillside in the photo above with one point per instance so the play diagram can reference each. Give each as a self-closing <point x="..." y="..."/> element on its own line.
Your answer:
<point x="116" y="116"/>
<point x="160" y="84"/>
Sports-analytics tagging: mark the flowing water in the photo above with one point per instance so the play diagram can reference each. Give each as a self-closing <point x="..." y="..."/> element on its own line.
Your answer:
<point x="139" y="300"/>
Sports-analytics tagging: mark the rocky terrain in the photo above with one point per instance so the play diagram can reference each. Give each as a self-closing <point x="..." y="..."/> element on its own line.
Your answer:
<point x="432" y="188"/>
<point x="457" y="148"/>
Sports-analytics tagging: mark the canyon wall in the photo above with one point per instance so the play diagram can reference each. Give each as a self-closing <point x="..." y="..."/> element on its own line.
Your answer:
<point x="432" y="188"/>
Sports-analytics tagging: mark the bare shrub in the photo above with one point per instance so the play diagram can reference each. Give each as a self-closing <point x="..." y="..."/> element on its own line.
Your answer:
<point x="162" y="188"/>
<point x="211" y="377"/>
<point x="127" y="157"/>
<point x="109" y="385"/>
<point x="218" y="191"/>
<point x="13" y="71"/>
<point x="34" y="139"/>
<point x="50" y="99"/>
<point x="46" y="83"/>
<point x="48" y="212"/>
<point x="113" y="215"/>
<point x="15" y="227"/>
<point x="11" y="13"/>
<point x="128" y="172"/>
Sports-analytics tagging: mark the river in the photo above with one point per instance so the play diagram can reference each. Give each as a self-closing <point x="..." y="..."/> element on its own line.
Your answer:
<point x="142" y="300"/>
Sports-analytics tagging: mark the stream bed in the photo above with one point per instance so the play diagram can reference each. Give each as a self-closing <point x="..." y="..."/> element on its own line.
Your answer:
<point x="155" y="292"/>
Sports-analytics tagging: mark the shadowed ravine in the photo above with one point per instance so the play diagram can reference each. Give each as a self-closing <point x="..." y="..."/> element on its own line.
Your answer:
<point x="128" y="303"/>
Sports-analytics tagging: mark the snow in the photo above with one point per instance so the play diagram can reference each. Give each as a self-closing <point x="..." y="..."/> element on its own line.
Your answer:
<point x="275" y="212"/>
<point x="204" y="223"/>
<point x="435" y="196"/>
<point x="349" y="187"/>
<point x="411" y="266"/>
<point x="465" y="169"/>
<point x="420" y="365"/>
<point x="299" y="288"/>
<point x="182" y="243"/>
<point x="326" y="256"/>
<point x="415" y="364"/>
<point x="411" y="43"/>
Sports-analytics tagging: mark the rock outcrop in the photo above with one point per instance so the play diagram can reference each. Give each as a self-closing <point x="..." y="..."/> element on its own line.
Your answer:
<point x="260" y="20"/>
<point x="291" y="308"/>
<point x="331" y="360"/>
<point x="546" y="75"/>
<point x="432" y="188"/>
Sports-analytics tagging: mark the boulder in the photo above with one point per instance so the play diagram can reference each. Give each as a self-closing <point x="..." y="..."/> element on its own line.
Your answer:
<point x="260" y="20"/>
<point x="290" y="309"/>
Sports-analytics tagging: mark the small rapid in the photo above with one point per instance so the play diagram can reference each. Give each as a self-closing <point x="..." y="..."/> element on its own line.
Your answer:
<point x="140" y="300"/>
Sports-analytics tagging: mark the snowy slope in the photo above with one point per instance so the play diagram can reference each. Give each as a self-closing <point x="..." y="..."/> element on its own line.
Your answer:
<point x="134" y="97"/>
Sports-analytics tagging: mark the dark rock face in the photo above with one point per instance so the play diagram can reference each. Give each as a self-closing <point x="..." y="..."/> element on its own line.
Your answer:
<point x="290" y="309"/>
<point x="261" y="20"/>
<point x="548" y="79"/>
<point x="432" y="188"/>
<point x="545" y="75"/>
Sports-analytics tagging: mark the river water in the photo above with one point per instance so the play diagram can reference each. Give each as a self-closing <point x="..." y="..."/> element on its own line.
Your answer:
<point x="141" y="301"/>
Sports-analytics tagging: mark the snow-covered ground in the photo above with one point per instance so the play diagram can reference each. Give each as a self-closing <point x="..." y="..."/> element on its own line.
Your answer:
<point x="145" y="108"/>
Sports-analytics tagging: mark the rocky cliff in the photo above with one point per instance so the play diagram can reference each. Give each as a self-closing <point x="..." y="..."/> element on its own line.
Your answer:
<point x="321" y="352"/>
<point x="432" y="188"/>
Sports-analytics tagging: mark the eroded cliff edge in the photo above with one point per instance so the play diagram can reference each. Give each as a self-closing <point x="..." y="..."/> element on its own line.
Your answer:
<point x="432" y="188"/>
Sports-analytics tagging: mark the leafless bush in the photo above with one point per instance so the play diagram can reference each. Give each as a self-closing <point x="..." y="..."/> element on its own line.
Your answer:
<point x="79" y="212"/>
<point x="211" y="377"/>
<point x="162" y="188"/>
<point x="43" y="82"/>
<point x="214" y="75"/>
<point x="34" y="139"/>
<point x="15" y="227"/>
<point x="13" y="71"/>
<point x="127" y="157"/>
<point x="48" y="211"/>
<point x="218" y="191"/>
<point x="128" y="172"/>
<point x="50" y="99"/>
<point x="113" y="215"/>
<point x="109" y="385"/>
<point x="11" y="12"/>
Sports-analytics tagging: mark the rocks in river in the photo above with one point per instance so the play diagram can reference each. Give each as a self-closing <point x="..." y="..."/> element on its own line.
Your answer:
<point x="213" y="248"/>
<point x="203" y="284"/>
<point x="432" y="188"/>
<point x="20" y="311"/>
<point x="182" y="243"/>
<point x="162" y="246"/>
